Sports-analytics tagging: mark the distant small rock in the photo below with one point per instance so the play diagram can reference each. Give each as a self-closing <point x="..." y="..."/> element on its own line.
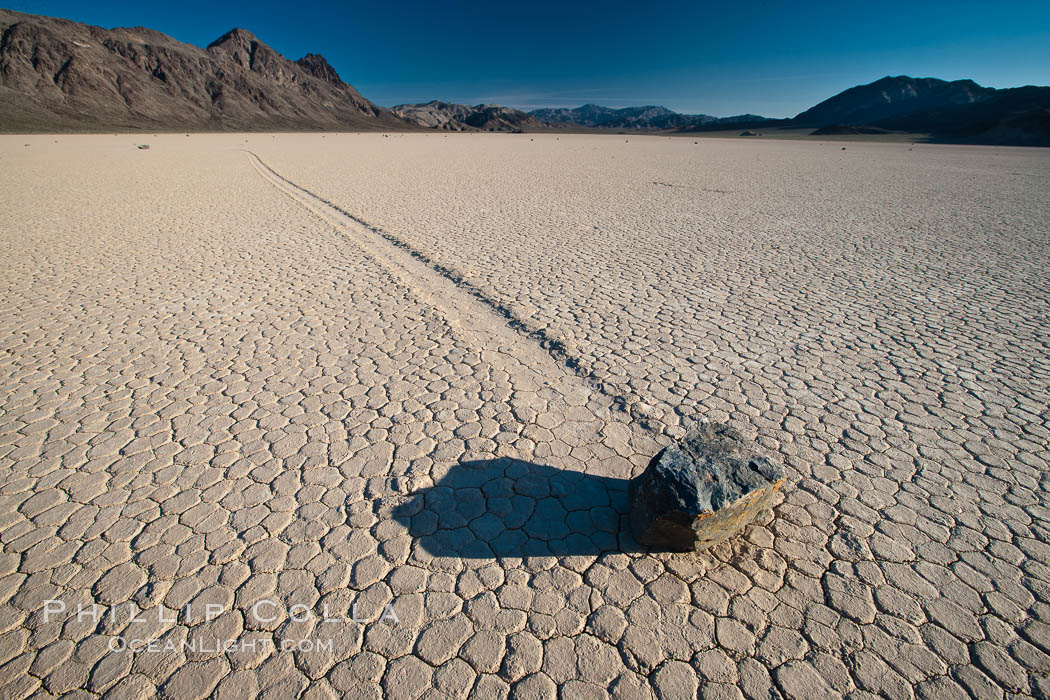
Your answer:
<point x="702" y="489"/>
<point x="143" y="146"/>
<point x="749" y="133"/>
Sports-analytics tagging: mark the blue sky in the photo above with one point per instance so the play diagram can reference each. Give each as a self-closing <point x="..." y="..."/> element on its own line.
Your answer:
<point x="715" y="58"/>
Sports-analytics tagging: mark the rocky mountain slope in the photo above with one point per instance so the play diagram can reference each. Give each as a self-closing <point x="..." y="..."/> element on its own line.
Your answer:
<point x="647" y="117"/>
<point x="458" y="117"/>
<point x="56" y="74"/>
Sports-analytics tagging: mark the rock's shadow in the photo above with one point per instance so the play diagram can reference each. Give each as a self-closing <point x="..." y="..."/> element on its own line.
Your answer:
<point x="513" y="508"/>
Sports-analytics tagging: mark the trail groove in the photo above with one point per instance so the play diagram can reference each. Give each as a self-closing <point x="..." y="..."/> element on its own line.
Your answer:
<point x="468" y="308"/>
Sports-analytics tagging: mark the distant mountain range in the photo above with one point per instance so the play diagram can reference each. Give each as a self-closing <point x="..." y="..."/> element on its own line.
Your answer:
<point x="459" y="117"/>
<point x="456" y="117"/>
<point x="649" y="117"/>
<point x="960" y="111"/>
<point x="61" y="75"/>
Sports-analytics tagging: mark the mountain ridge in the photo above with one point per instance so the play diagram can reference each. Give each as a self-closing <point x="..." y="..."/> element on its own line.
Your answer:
<point x="644" y="117"/>
<point x="891" y="96"/>
<point x="959" y="110"/>
<point x="450" y="116"/>
<point x="58" y="74"/>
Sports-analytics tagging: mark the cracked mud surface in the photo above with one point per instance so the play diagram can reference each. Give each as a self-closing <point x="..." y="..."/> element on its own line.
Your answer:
<point x="419" y="370"/>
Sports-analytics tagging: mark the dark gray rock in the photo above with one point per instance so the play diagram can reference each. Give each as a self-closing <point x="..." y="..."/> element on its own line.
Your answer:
<point x="702" y="489"/>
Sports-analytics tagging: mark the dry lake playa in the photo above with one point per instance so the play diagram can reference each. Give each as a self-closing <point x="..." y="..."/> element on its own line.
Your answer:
<point x="355" y="414"/>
